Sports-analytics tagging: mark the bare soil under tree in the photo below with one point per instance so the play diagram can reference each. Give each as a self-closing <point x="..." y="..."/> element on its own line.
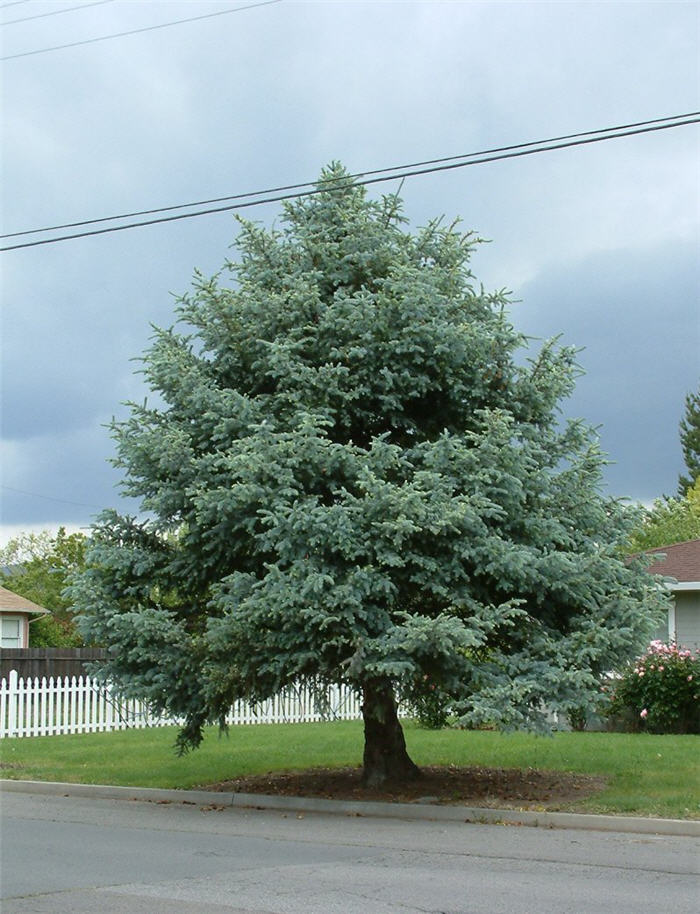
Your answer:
<point x="475" y="786"/>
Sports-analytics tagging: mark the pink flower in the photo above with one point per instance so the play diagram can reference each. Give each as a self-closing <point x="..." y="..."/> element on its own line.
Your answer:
<point x="640" y="672"/>
<point x="690" y="678"/>
<point x="643" y="713"/>
<point x="661" y="669"/>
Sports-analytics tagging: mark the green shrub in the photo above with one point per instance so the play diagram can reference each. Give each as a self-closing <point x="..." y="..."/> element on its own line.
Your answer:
<point x="428" y="704"/>
<point x="660" y="692"/>
<point x="50" y="631"/>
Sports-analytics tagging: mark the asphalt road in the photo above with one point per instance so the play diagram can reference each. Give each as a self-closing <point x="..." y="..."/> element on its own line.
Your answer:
<point x="79" y="854"/>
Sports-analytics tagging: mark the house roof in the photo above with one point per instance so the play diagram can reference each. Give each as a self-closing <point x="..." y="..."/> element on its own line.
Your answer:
<point x="682" y="561"/>
<point x="12" y="602"/>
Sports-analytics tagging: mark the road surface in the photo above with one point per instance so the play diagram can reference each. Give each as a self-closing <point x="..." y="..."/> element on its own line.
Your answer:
<point x="79" y="854"/>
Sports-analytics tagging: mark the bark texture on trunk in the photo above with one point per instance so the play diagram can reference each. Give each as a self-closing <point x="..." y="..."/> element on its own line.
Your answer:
<point x="385" y="757"/>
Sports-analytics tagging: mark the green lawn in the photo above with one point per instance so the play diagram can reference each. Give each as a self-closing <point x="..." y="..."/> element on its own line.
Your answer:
<point x="647" y="775"/>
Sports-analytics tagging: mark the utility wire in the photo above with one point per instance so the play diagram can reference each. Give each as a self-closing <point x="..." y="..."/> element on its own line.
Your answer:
<point x="66" y="9"/>
<point x="361" y="174"/>
<point x="148" y="28"/>
<point x="331" y="185"/>
<point x="14" y="3"/>
<point x="65" y="501"/>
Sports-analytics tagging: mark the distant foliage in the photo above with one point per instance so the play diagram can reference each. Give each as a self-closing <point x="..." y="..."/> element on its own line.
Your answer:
<point x="690" y="442"/>
<point x="676" y="520"/>
<point x="670" y="520"/>
<point x="53" y="631"/>
<point x="35" y="566"/>
<point x="660" y="692"/>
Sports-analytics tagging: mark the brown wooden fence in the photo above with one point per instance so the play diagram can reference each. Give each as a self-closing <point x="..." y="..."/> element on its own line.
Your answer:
<point x="30" y="662"/>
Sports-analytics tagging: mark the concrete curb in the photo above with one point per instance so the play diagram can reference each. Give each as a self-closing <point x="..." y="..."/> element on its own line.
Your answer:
<point x="409" y="811"/>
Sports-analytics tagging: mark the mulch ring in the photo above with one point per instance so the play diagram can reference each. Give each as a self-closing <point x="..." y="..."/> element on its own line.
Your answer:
<point x="475" y="786"/>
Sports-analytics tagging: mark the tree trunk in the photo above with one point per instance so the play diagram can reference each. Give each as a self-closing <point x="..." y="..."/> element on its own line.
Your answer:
<point x="385" y="757"/>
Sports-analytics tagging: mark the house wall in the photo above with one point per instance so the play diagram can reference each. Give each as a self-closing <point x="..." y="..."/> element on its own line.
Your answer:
<point x="13" y="624"/>
<point x="687" y="627"/>
<point x="665" y="632"/>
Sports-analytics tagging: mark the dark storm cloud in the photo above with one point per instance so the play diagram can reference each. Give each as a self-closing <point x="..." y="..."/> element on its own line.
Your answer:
<point x="268" y="97"/>
<point x="636" y="315"/>
<point x="60" y="478"/>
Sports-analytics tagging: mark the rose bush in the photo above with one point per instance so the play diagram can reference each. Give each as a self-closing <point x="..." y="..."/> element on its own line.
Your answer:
<point x="660" y="692"/>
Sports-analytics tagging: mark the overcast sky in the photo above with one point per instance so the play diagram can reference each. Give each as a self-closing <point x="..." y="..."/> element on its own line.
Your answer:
<point x="597" y="243"/>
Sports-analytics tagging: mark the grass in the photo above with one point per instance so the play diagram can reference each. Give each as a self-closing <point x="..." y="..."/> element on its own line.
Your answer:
<point x="646" y="775"/>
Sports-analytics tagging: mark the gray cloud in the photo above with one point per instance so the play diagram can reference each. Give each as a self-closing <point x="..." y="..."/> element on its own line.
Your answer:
<point x="60" y="478"/>
<point x="635" y="315"/>
<point x="269" y="96"/>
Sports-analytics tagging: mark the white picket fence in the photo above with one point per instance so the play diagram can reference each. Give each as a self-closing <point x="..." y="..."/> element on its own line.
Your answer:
<point x="46" y="707"/>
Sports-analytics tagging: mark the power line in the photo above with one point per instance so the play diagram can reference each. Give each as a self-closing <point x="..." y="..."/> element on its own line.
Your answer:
<point x="14" y="3"/>
<point x="361" y="174"/>
<point x="148" y="28"/>
<point x="329" y="185"/>
<point x="65" y="501"/>
<point x="67" y="9"/>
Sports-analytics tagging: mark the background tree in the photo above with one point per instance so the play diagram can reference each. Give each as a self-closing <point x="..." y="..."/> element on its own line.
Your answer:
<point x="351" y="478"/>
<point x="36" y="566"/>
<point x="670" y="520"/>
<point x="690" y="442"/>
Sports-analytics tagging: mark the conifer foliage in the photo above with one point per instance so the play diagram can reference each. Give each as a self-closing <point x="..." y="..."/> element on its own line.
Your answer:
<point x="351" y="475"/>
<point x="690" y="442"/>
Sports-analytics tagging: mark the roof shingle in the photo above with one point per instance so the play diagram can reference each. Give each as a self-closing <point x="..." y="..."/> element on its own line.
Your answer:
<point x="682" y="561"/>
<point x="10" y="601"/>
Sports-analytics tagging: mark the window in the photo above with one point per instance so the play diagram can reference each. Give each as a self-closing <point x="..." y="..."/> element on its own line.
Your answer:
<point x="11" y="631"/>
